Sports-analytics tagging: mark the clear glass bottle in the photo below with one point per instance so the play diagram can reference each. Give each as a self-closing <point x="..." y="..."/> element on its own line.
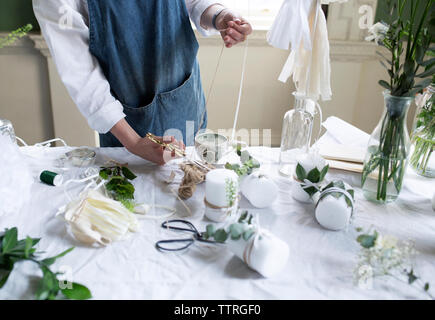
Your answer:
<point x="6" y="129"/>
<point x="423" y="138"/>
<point x="296" y="133"/>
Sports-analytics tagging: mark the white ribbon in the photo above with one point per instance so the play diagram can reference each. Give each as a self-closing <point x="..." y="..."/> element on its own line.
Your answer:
<point x="252" y="243"/>
<point x="339" y="190"/>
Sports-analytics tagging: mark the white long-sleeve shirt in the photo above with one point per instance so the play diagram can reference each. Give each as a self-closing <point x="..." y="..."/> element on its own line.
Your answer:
<point x="65" y="27"/>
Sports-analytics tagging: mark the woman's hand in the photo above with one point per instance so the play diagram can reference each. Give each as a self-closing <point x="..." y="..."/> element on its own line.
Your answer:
<point x="234" y="29"/>
<point x="144" y="147"/>
<point x="151" y="151"/>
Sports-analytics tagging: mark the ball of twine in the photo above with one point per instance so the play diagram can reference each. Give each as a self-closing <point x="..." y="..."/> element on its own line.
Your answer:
<point x="193" y="175"/>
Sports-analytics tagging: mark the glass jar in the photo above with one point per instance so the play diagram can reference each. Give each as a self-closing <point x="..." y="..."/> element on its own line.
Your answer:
<point x="297" y="129"/>
<point x="423" y="138"/>
<point x="6" y="129"/>
<point x="387" y="154"/>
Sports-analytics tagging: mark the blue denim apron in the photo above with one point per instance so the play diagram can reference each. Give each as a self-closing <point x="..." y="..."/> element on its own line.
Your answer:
<point x="147" y="51"/>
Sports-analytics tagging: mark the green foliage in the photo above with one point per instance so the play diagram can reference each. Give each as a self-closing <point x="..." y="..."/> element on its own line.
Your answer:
<point x="13" y="250"/>
<point x="231" y="191"/>
<point x="367" y="240"/>
<point x="236" y="231"/>
<point x="118" y="184"/>
<point x="409" y="40"/>
<point x="424" y="136"/>
<point x="314" y="176"/>
<point x="340" y="184"/>
<point x="248" y="163"/>
<point x="15" y="35"/>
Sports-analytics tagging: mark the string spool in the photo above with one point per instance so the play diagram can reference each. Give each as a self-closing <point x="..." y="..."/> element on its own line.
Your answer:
<point x="193" y="175"/>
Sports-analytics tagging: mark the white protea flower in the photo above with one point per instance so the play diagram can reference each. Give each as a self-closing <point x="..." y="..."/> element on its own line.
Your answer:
<point x="378" y="32"/>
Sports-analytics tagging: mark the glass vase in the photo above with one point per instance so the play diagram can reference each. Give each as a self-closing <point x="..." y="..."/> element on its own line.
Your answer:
<point x="6" y="129"/>
<point x="387" y="153"/>
<point x="297" y="129"/>
<point x="422" y="158"/>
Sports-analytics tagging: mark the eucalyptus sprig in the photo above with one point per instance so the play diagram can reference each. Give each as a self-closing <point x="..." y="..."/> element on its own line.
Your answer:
<point x="118" y="184"/>
<point x="243" y="229"/>
<point x="15" y="35"/>
<point x="13" y="250"/>
<point x="248" y="163"/>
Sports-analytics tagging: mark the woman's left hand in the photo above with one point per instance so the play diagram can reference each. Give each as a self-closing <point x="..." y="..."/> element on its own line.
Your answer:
<point x="234" y="29"/>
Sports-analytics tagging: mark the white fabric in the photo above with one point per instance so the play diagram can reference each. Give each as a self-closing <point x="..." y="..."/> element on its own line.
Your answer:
<point x="320" y="265"/>
<point x="78" y="69"/>
<point x="294" y="27"/>
<point x="14" y="188"/>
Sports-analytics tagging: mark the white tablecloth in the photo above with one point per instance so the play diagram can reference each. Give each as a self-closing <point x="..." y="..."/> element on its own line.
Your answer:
<point x="321" y="262"/>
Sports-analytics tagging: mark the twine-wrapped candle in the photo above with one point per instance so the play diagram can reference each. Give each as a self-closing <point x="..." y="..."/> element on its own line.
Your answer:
<point x="221" y="193"/>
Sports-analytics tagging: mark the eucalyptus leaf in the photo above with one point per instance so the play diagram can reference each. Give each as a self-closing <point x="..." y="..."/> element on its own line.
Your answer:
<point x="248" y="234"/>
<point x="221" y="235"/>
<point x="367" y="241"/>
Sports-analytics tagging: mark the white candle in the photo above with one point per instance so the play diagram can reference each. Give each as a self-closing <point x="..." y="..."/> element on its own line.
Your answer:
<point x="310" y="161"/>
<point x="216" y="184"/>
<point x="333" y="214"/>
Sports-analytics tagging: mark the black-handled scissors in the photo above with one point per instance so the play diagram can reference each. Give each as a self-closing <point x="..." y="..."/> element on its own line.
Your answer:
<point x="185" y="243"/>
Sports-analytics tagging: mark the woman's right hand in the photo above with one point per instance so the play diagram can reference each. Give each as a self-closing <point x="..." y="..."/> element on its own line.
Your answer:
<point x="144" y="147"/>
<point x="151" y="151"/>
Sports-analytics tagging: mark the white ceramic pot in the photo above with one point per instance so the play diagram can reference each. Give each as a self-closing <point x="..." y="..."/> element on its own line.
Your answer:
<point x="299" y="194"/>
<point x="333" y="213"/>
<point x="268" y="256"/>
<point x="259" y="189"/>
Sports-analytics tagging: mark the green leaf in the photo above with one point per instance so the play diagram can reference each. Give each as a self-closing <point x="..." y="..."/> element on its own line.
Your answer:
<point x="128" y="174"/>
<point x="236" y="231"/>
<point x="104" y="175"/>
<point x="385" y="84"/>
<point x="48" y="286"/>
<point x="243" y="216"/>
<point x="9" y="240"/>
<point x="28" y="246"/>
<point x="210" y="230"/>
<point x="411" y="277"/>
<point x="248" y="234"/>
<point x="4" y="278"/>
<point x="301" y="174"/>
<point x="221" y="235"/>
<point x="367" y="241"/>
<point x="314" y="175"/>
<point x="78" y="292"/>
<point x="426" y="286"/>
<point x="324" y="172"/>
<point x="50" y="261"/>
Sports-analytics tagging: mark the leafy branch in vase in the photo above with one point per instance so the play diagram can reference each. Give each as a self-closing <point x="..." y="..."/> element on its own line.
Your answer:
<point x="408" y="41"/>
